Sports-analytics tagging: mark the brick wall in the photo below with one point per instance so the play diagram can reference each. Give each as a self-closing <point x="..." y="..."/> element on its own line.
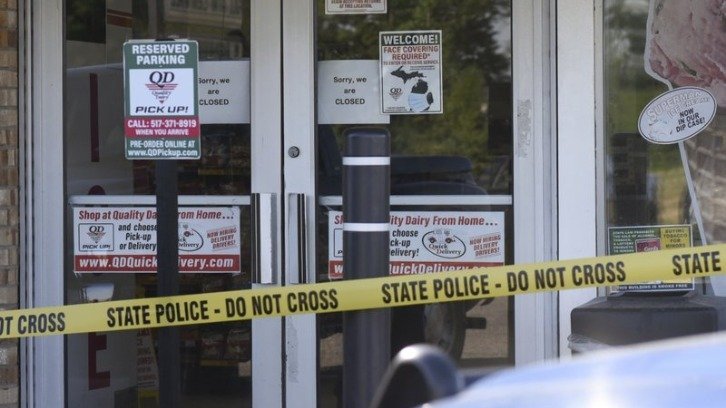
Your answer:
<point x="9" y="234"/>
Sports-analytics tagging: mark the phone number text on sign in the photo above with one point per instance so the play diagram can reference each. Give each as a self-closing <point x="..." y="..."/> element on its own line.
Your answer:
<point x="161" y="127"/>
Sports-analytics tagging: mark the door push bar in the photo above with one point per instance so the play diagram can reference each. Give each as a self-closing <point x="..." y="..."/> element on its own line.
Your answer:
<point x="297" y="260"/>
<point x="265" y="235"/>
<point x="264" y="238"/>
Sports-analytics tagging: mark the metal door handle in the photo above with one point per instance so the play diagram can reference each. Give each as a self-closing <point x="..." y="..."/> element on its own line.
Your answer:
<point x="264" y="238"/>
<point x="297" y="239"/>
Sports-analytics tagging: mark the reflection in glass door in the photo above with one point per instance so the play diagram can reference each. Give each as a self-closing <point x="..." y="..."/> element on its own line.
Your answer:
<point x="438" y="77"/>
<point x="112" y="203"/>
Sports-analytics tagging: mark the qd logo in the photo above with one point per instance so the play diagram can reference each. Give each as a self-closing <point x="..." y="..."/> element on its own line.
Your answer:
<point x="95" y="237"/>
<point x="395" y="93"/>
<point x="161" y="84"/>
<point x="96" y="232"/>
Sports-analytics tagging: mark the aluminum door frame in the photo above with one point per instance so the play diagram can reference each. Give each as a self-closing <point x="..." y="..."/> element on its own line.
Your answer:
<point x="579" y="30"/>
<point x="299" y="171"/>
<point x="266" y="167"/>
<point x="536" y="322"/>
<point x="41" y="205"/>
<point x="283" y="165"/>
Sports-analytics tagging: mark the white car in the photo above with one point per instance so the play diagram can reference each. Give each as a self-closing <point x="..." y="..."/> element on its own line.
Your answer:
<point x="682" y="372"/>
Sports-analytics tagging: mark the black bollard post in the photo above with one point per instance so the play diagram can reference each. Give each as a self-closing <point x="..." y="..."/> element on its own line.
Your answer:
<point x="366" y="213"/>
<point x="167" y="278"/>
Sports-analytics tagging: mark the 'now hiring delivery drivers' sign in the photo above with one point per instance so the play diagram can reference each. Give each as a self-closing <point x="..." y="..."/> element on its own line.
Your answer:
<point x="160" y="87"/>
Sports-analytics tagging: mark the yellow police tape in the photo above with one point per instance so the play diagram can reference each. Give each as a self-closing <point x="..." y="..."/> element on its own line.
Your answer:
<point x="350" y="295"/>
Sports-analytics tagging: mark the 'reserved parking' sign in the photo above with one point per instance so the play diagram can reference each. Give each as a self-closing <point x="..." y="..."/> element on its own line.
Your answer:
<point x="161" y="118"/>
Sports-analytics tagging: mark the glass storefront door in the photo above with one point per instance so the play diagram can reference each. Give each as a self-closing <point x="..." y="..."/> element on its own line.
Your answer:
<point x="279" y="84"/>
<point x="438" y="77"/>
<point x="112" y="203"/>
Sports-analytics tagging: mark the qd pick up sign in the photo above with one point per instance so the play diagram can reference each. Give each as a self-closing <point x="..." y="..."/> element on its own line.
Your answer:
<point x="161" y="118"/>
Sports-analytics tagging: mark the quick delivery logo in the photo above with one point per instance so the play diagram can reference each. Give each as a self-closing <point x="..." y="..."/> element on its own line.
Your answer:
<point x="189" y="239"/>
<point x="444" y="244"/>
